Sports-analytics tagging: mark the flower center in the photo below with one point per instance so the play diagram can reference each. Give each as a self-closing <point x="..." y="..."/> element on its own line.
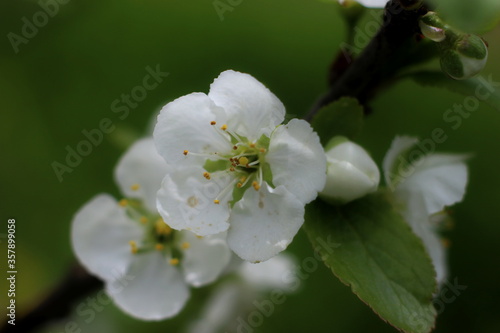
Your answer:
<point x="244" y="161"/>
<point x="158" y="236"/>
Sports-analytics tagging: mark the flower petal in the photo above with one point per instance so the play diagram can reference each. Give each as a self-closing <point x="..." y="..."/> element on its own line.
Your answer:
<point x="273" y="273"/>
<point x="205" y="258"/>
<point x="100" y="236"/>
<point x="186" y="201"/>
<point x="399" y="145"/>
<point x="151" y="290"/>
<point x="251" y="108"/>
<point x="439" y="180"/>
<point x="184" y="124"/>
<point x="264" y="222"/>
<point x="422" y="227"/>
<point x="297" y="160"/>
<point x="140" y="171"/>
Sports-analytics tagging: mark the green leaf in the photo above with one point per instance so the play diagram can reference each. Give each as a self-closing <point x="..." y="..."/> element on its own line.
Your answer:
<point x="484" y="89"/>
<point x="470" y="16"/>
<point x="342" y="117"/>
<point x="370" y="248"/>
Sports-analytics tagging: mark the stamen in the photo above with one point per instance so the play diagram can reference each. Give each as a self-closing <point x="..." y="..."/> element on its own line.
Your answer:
<point x="235" y="147"/>
<point x="223" y="127"/>
<point x="216" y="202"/>
<point x="213" y="122"/>
<point x="253" y="163"/>
<point x="143" y="220"/>
<point x="199" y="237"/>
<point x="135" y="187"/>
<point x="206" y="175"/>
<point x="185" y="245"/>
<point x="123" y="202"/>
<point x="185" y="152"/>
<point x="174" y="261"/>
<point x="162" y="228"/>
<point x="262" y="150"/>
<point x="133" y="246"/>
<point x="239" y="185"/>
<point x="159" y="247"/>
<point x="243" y="160"/>
<point x="256" y="186"/>
<point x="231" y="169"/>
<point x="252" y="145"/>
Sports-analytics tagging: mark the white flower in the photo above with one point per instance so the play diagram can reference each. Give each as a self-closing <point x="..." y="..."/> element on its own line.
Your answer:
<point x="424" y="184"/>
<point x="146" y="266"/>
<point x="229" y="304"/>
<point x="236" y="168"/>
<point x="351" y="174"/>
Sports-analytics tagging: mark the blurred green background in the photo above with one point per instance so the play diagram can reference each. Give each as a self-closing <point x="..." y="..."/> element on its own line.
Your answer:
<point x="64" y="80"/>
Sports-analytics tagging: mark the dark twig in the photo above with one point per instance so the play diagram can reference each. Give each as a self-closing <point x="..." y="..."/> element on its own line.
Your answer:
<point x="372" y="68"/>
<point x="58" y="304"/>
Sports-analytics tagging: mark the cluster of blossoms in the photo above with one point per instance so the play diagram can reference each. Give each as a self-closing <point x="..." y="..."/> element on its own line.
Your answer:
<point x="224" y="173"/>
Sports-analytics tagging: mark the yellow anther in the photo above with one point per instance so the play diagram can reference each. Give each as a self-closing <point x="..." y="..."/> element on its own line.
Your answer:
<point x="199" y="237"/>
<point x="185" y="245"/>
<point x="256" y="186"/>
<point x="159" y="247"/>
<point x="252" y="145"/>
<point x="243" y="160"/>
<point x="185" y="152"/>
<point x="206" y="175"/>
<point x="216" y="202"/>
<point x="213" y="122"/>
<point x="162" y="228"/>
<point x="123" y="202"/>
<point x="174" y="261"/>
<point x="239" y="185"/>
<point x="231" y="169"/>
<point x="223" y="127"/>
<point x="135" y="187"/>
<point x="133" y="246"/>
<point x="143" y="220"/>
<point x="262" y="150"/>
<point x="242" y="179"/>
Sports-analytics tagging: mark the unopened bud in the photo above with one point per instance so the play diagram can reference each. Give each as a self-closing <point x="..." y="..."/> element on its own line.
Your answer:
<point x="433" y="27"/>
<point x="351" y="172"/>
<point x="465" y="58"/>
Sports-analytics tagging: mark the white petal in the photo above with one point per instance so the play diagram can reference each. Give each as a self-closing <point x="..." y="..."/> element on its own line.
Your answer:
<point x="439" y="180"/>
<point x="141" y="165"/>
<point x="399" y="145"/>
<point x="370" y="3"/>
<point x="297" y="160"/>
<point x="422" y="227"/>
<point x="252" y="109"/>
<point x="271" y="273"/>
<point x="264" y="222"/>
<point x="100" y="236"/>
<point x="152" y="289"/>
<point x="205" y="259"/>
<point x="186" y="201"/>
<point x="184" y="124"/>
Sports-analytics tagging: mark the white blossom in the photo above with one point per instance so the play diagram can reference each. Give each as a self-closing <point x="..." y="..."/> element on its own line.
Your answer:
<point x="128" y="240"/>
<point x="424" y="184"/>
<point x="236" y="168"/>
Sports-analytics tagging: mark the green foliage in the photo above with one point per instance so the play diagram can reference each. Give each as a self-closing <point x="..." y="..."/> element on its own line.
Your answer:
<point x="379" y="257"/>
<point x="470" y="16"/>
<point x="342" y="117"/>
<point x="478" y="86"/>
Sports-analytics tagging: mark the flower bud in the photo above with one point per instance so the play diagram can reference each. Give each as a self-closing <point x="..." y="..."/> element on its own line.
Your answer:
<point x="432" y="27"/>
<point x="351" y="172"/>
<point x="466" y="58"/>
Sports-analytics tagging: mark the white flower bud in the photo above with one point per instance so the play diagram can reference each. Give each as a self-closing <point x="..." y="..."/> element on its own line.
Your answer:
<point x="351" y="172"/>
<point x="466" y="58"/>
